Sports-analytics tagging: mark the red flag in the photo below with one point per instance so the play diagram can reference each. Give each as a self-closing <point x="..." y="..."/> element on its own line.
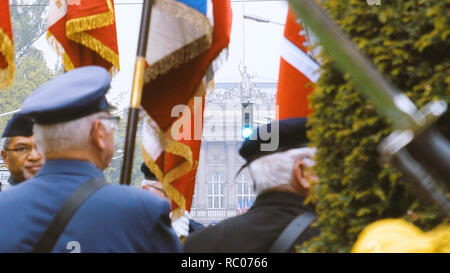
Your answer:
<point x="84" y="33"/>
<point x="298" y="72"/>
<point x="6" y="46"/>
<point x="180" y="84"/>
<point x="170" y="83"/>
<point x="176" y="160"/>
<point x="186" y="183"/>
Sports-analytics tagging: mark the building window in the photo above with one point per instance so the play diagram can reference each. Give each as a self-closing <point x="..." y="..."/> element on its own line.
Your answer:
<point x="216" y="190"/>
<point x="194" y="198"/>
<point x="245" y="195"/>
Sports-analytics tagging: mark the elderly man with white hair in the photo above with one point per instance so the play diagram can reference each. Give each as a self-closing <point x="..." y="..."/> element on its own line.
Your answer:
<point x="68" y="206"/>
<point x="282" y="176"/>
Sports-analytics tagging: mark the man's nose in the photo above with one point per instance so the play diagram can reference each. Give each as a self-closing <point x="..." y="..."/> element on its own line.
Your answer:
<point x="34" y="155"/>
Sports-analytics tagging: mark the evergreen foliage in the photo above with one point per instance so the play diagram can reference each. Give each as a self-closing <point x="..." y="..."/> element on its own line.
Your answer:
<point x="408" y="41"/>
<point x="112" y="173"/>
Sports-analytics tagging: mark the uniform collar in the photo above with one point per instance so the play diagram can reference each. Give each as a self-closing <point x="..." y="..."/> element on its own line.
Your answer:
<point x="280" y="198"/>
<point x="70" y="167"/>
<point x="12" y="181"/>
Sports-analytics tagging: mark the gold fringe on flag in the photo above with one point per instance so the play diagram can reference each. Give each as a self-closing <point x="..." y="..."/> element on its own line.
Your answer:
<point x="97" y="46"/>
<point x="91" y="22"/>
<point x="188" y="52"/>
<point x="7" y="50"/>
<point x="184" y="151"/>
<point x="176" y="148"/>
<point x="67" y="62"/>
<point x="76" y="31"/>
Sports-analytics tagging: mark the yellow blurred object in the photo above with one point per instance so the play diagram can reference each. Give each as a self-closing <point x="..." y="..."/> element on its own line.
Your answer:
<point x="399" y="236"/>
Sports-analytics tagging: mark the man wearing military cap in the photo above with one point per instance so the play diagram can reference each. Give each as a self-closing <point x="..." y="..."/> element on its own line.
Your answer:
<point x="19" y="152"/>
<point x="67" y="206"/>
<point x="282" y="175"/>
<point x="182" y="225"/>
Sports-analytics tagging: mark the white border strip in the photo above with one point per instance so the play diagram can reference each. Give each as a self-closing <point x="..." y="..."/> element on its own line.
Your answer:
<point x="296" y="57"/>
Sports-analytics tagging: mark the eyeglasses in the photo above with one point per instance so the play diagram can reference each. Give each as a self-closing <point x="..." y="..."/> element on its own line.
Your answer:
<point x="23" y="151"/>
<point x="114" y="122"/>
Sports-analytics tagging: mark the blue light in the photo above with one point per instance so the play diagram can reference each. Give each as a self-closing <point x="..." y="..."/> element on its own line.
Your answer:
<point x="246" y="132"/>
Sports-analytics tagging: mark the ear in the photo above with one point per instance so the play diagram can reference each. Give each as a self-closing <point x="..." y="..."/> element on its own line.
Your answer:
<point x="98" y="135"/>
<point x="5" y="158"/>
<point x="300" y="174"/>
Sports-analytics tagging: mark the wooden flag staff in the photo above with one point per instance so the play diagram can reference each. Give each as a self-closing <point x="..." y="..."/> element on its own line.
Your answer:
<point x="136" y="94"/>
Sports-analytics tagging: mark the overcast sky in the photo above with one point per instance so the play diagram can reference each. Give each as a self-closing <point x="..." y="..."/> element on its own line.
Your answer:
<point x="261" y="40"/>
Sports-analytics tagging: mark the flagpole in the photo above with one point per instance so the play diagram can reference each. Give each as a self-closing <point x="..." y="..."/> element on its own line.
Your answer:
<point x="136" y="94"/>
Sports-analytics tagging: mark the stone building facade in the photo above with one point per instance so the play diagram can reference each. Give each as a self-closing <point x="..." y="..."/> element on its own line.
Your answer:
<point x="219" y="193"/>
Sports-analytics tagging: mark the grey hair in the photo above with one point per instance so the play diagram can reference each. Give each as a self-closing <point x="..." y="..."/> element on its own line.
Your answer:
<point x="71" y="135"/>
<point x="5" y="143"/>
<point x="277" y="169"/>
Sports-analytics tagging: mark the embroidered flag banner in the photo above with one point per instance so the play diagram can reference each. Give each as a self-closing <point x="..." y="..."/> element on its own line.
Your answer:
<point x="176" y="159"/>
<point x="84" y="33"/>
<point x="174" y="78"/>
<point x="6" y="46"/>
<point x="185" y="41"/>
<point x="298" y="71"/>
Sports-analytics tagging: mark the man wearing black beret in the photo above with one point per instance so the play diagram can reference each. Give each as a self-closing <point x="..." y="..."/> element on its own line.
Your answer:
<point x="282" y="175"/>
<point x="19" y="152"/>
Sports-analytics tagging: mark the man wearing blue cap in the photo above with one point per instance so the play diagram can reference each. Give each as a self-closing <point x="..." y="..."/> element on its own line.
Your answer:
<point x="19" y="152"/>
<point x="67" y="206"/>
<point x="282" y="176"/>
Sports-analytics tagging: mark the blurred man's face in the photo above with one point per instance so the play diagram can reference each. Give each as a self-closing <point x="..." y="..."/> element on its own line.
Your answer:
<point x="155" y="187"/>
<point x="22" y="158"/>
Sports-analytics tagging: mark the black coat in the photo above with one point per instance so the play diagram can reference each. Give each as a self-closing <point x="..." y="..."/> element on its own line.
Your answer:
<point x="254" y="231"/>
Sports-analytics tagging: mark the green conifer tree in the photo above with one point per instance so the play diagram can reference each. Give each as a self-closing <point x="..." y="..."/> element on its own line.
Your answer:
<point x="408" y="41"/>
